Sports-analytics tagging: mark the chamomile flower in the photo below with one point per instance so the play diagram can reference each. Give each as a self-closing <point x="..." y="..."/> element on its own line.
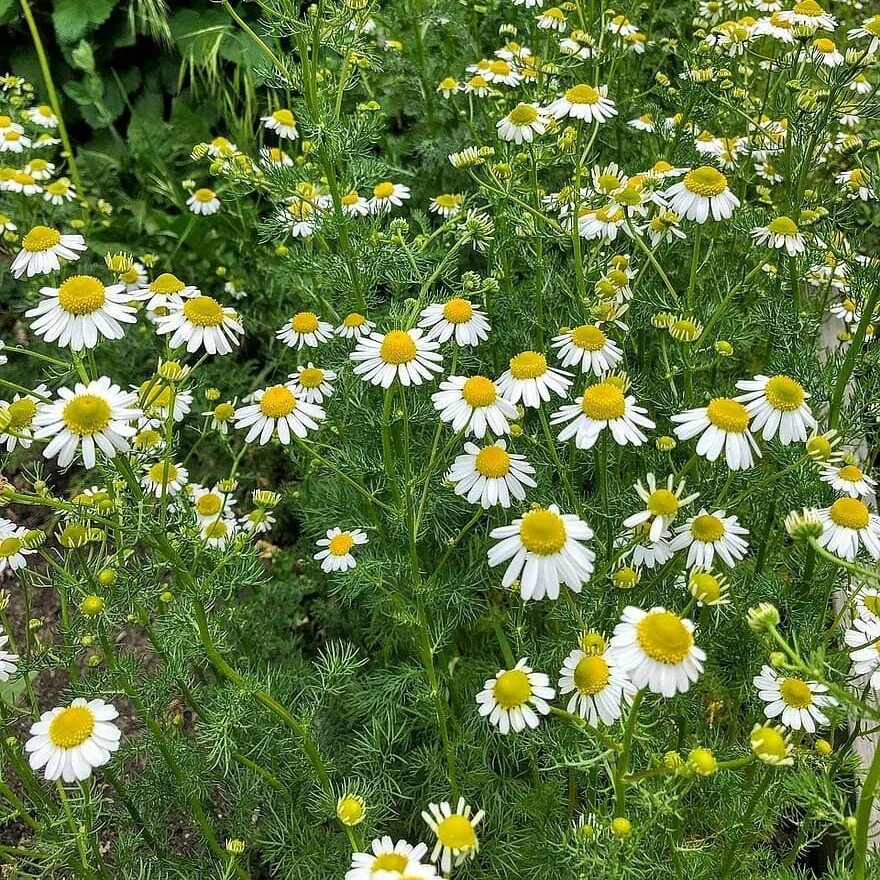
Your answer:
<point x="257" y="522"/>
<point x="589" y="347"/>
<point x="777" y="406"/>
<point x="703" y="192"/>
<point x="446" y="204"/>
<point x="201" y="322"/>
<point x="642" y="551"/>
<point x="826" y="53"/>
<point x="355" y="326"/>
<point x="456" y="833"/>
<point x="164" y="478"/>
<point x="218" y="532"/>
<point x="282" y="122"/>
<point x="473" y="405"/>
<point x="456" y="317"/>
<point x="845" y="525"/>
<point x="781" y="233"/>
<point x="515" y="698"/>
<point x="277" y="410"/>
<point x="601" y="223"/>
<point x="388" y="860"/>
<point x="810" y="14"/>
<point x="12" y="546"/>
<point x="590" y="103"/>
<point x="862" y="637"/>
<point x="552" y="19"/>
<point x="12" y="141"/>
<point x="211" y="504"/>
<point x="98" y="414"/>
<point x="707" y="588"/>
<point x="708" y="535"/>
<point x="522" y="124"/>
<point x="848" y="479"/>
<point x="387" y="195"/>
<point x="42" y="250"/>
<point x="8" y="660"/>
<point x="870" y="29"/>
<point x="221" y="416"/>
<point x="20" y="412"/>
<point x="166" y="289"/>
<point x="312" y="384"/>
<point x="600" y="689"/>
<point x="80" y="311"/>
<point x="491" y="475"/>
<point x="404" y="355"/>
<point x="856" y="184"/>
<point x="723" y="426"/>
<point x="543" y="549"/>
<point x="305" y="329"/>
<point x="335" y="549"/>
<point x="772" y="745"/>
<point x="203" y="201"/>
<point x="499" y="72"/>
<point x="847" y="311"/>
<point x="603" y="405"/>
<point x="71" y="741"/>
<point x="656" y="650"/>
<point x="798" y="703"/>
<point x="42" y="115"/>
<point x="353" y="204"/>
<point x="530" y="380"/>
<point x="662" y="504"/>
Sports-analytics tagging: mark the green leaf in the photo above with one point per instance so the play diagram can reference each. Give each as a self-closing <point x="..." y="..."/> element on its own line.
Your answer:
<point x="199" y="34"/>
<point x="83" y="58"/>
<point x="73" y="19"/>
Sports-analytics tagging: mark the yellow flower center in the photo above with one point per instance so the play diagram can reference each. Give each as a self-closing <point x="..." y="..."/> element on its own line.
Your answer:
<point x="398" y="348"/>
<point x="40" y="238"/>
<point x="203" y="195"/>
<point x="848" y="472"/>
<point x="285" y="117"/>
<point x="608" y="182"/>
<point x="809" y="8"/>
<point x="499" y="67"/>
<point x="45" y="110"/>
<point x="157" y="397"/>
<point x="162" y="473"/>
<point x="512" y="689"/>
<point x="707" y="528"/>
<point x="824" y="45"/>
<point x="729" y="415"/>
<point x="355" y="319"/>
<point x="350" y="811"/>
<point x="447" y="200"/>
<point x="662" y="502"/>
<point x="783" y="226"/>
<point x="13" y="135"/>
<point x="796" y="693"/>
<point x="71" y="727"/>
<point x="849" y="513"/>
<point x="872" y="25"/>
<point x="458" y="311"/>
<point x="340" y="544"/>
<point x="664" y="638"/>
<point x="457" y="833"/>
<point x="542" y="532"/>
<point x="528" y="365"/>
<point x="216" y="529"/>
<point x="603" y="402"/>
<point x="582" y="94"/>
<point x="209" y="504"/>
<point x="479" y="391"/>
<point x="383" y="190"/>
<point x="23" y="178"/>
<point x="86" y="414"/>
<point x="81" y="295"/>
<point x="10" y="546"/>
<point x="304" y="322"/>
<point x="311" y="377"/>
<point x="523" y="114"/>
<point x="277" y="402"/>
<point x="871" y="601"/>
<point x="21" y="413"/>
<point x="390" y="862"/>
<point x="203" y="311"/>
<point x="166" y="284"/>
<point x="591" y="674"/>
<point x="705" y="181"/>
<point x="784" y="393"/>
<point x="492" y="461"/>
<point x="588" y="337"/>
<point x="705" y="586"/>
<point x="39" y="165"/>
<point x="768" y="741"/>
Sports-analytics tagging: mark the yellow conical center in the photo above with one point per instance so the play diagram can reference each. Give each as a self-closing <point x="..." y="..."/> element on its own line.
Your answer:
<point x="591" y="674"/>
<point x="528" y="365"/>
<point x="10" y="546"/>
<point x="167" y="284"/>
<point x="304" y="322"/>
<point x="707" y="528"/>
<point x="705" y="181"/>
<point x="499" y="67"/>
<point x="162" y="472"/>
<point x="796" y="693"/>
<point x="13" y="136"/>
<point x="277" y="402"/>
<point x="383" y="190"/>
<point x="542" y="532"/>
<point x="203" y="195"/>
<point x="21" y="413"/>
<point x="849" y="513"/>
<point x="492" y="461"/>
<point x="86" y="414"/>
<point x="447" y="200"/>
<point x="477" y="82"/>
<point x="705" y="586"/>
<point x="768" y="741"/>
<point x="603" y="402"/>
<point x="479" y="391"/>
<point x="458" y="311"/>
<point x="209" y="504"/>
<point x="216" y="529"/>
<point x="71" y="727"/>
<point x="397" y="348"/>
<point x="311" y="377"/>
<point x="783" y="225"/>
<point x="588" y="337"/>
<point x="664" y="638"/>
<point x="809" y="8"/>
<point x="340" y="544"/>
<point x="825" y="46"/>
<point x="355" y="319"/>
<point x="81" y="295"/>
<point x="727" y="414"/>
<point x="784" y="393"/>
<point x="350" y="811"/>
<point x="512" y="689"/>
<point x="23" y="178"/>
<point x="39" y="165"/>
<point x="223" y="412"/>
<point x="522" y="115"/>
<point x="871" y="601"/>
<point x="40" y="238"/>
<point x="848" y="472"/>
<point x="45" y="110"/>
<point x="662" y="502"/>
<point x="608" y="182"/>
<point x="457" y="833"/>
<point x="203" y="311"/>
<point x="58" y="188"/>
<point x="582" y="94"/>
<point x="285" y="117"/>
<point x="872" y="25"/>
<point x="389" y="862"/>
<point x="159" y="396"/>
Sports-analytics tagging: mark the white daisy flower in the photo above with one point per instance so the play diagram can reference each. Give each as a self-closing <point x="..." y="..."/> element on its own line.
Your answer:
<point x="601" y="223"/>
<point x="530" y="380"/>
<point x="12" y="547"/>
<point x="863" y="636"/>
<point x="211" y="504"/>
<point x="69" y="742"/>
<point x="275" y="156"/>
<point x="798" y="703"/>
<point x="42" y="115"/>
<point x="404" y="355"/>
<point x="12" y="141"/>
<point x="586" y="102"/>
<point x="218" y="532"/>
<point x="600" y="689"/>
<point x="8" y="660"/>
<point x="21" y="411"/>
<point x="491" y="475"/>
<point x="809" y="13"/>
<point x="545" y="548"/>
<point x="80" y="311"/>
<point x="870" y="29"/>
<point x="552" y="19"/>
<point x="59" y="191"/>
<point x="856" y="184"/>
<point x="388" y="860"/>
<point x="772" y="745"/>
<point x="157" y="399"/>
<point x="848" y="311"/>
<point x="723" y="426"/>
<point x="166" y="289"/>
<point x="708" y="535"/>
<point x="826" y="53"/>
<point x="446" y="204"/>
<point x="257" y="522"/>
<point x="662" y="504"/>
<point x="164" y="478"/>
<point x="656" y="649"/>
<point x="387" y="195"/>
<point x="42" y="250"/>
<point x="846" y="524"/>
<point x="848" y="479"/>
<point x="777" y="406"/>
<point x="473" y="405"/>
<point x="456" y="835"/>
<point x="645" y="122"/>
<point x="40" y="169"/>
<point x="95" y="415"/>
<point x="355" y="326"/>
<point x="201" y="322"/>
<point x="498" y="72"/>
<point x="603" y="405"/>
<point x="589" y="347"/>
<point x="643" y="552"/>
<point x="522" y="124"/>
<point x="335" y="552"/>
<point x="203" y="201"/>
<point x="702" y="193"/>
<point x="353" y="204"/>
<point x="282" y="122"/>
<point x="781" y="233"/>
<point x="277" y="410"/>
<point x="312" y="384"/>
<point x="21" y="182"/>
<point x="222" y="148"/>
<point x="305" y="329"/>
<point x="515" y="698"/>
<point x="456" y="317"/>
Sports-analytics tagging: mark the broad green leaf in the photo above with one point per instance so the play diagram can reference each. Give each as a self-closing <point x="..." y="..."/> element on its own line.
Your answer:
<point x="73" y="19"/>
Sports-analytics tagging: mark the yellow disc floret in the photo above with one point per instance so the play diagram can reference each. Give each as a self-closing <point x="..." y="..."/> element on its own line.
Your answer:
<point x="588" y="337"/>
<point x="398" y="348"/>
<point x="40" y="238"/>
<point x="528" y="365"/>
<point x="86" y="414"/>
<point x="458" y="311"/>
<point x="203" y="311"/>
<point x="582" y="94"/>
<point x="591" y="674"/>
<point x="849" y="513"/>
<point x="603" y="402"/>
<point x="512" y="688"/>
<point x="340" y="544"/>
<point x="707" y="528"/>
<point x="705" y="181"/>
<point x="492" y="462"/>
<point x="71" y="727"/>
<point x="81" y="295"/>
<point x="664" y="638"/>
<point x="542" y="532"/>
<point x="729" y="415"/>
<point x="478" y="391"/>
<point x="784" y="393"/>
<point x="796" y="693"/>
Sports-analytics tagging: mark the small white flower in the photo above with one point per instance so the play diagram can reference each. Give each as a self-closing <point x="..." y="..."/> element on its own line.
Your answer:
<point x="798" y="703"/>
<point x="848" y="479"/>
<point x="777" y="406"/>
<point x="335" y="553"/>
<point x="12" y="547"/>
<point x="588" y="347"/>
<point x="662" y="505"/>
<point x="723" y="426"/>
<point x="456" y="834"/>
<point x="456" y="317"/>
<point x="473" y="405"/>
<point x="702" y="193"/>
<point x="201" y="322"/>
<point x="530" y="380"/>
<point x="305" y="329"/>
<point x="277" y="410"/>
<point x="846" y="524"/>
<point x="355" y="326"/>
<point x="387" y="195"/>
<point x="312" y="384"/>
<point x="388" y="860"/>
<point x="863" y="637"/>
<point x="491" y="475"/>
<point x="8" y="660"/>
<point x="515" y="698"/>
<point x="782" y="233"/>
<point x="42" y="250"/>
<point x="282" y="122"/>
<point x="586" y="102"/>
<point x="522" y="124"/>
<point x="211" y="504"/>
<point x="708" y="535"/>
<point x="404" y="355"/>
<point x="203" y="201"/>
<point x="600" y="689"/>
<point x="164" y="478"/>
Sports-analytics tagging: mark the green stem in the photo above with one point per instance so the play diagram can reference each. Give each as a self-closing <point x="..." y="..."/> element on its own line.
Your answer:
<point x="863" y="817"/>
<point x="622" y="770"/>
